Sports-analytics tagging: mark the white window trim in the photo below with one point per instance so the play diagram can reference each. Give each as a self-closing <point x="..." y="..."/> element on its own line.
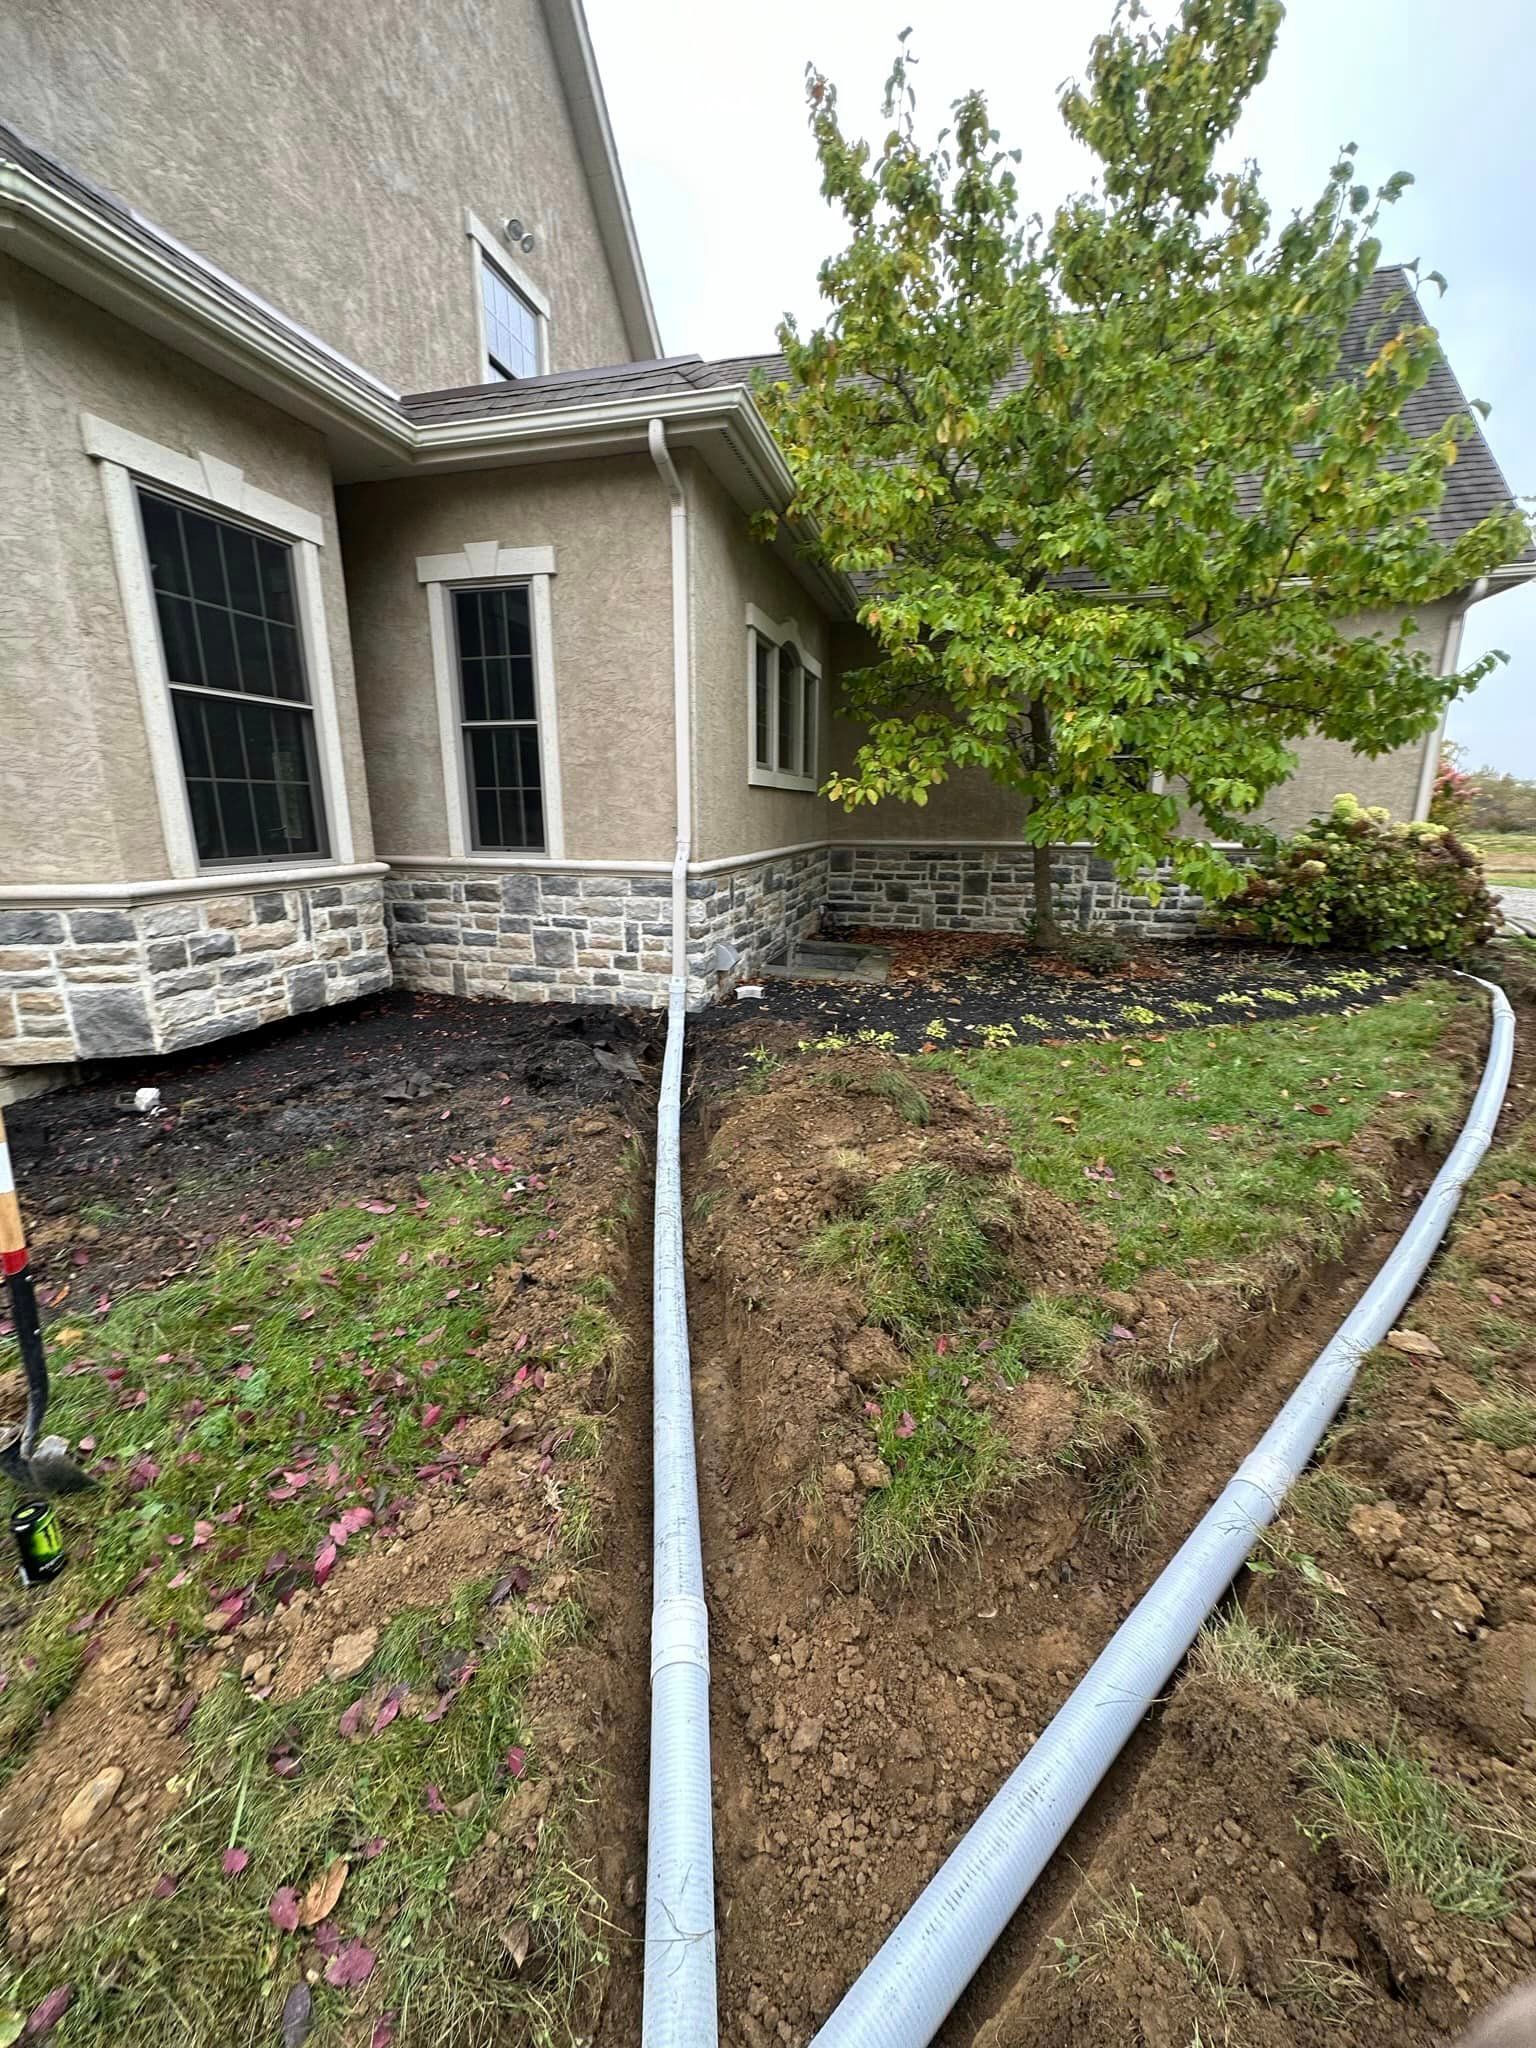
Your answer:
<point x="124" y="459"/>
<point x="481" y="562"/>
<point x="486" y="246"/>
<point x="778" y="633"/>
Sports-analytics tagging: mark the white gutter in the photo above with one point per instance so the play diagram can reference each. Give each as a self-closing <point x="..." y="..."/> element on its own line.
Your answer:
<point x="1450" y="655"/>
<point x="679" y="1994"/>
<point x="903" y="1996"/>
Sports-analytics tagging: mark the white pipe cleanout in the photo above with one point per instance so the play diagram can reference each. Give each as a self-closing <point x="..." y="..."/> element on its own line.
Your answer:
<point x="679" y="1998"/>
<point x="902" y="1997"/>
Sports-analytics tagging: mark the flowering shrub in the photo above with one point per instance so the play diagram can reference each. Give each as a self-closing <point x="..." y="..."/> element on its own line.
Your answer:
<point x="1455" y="792"/>
<point x="1355" y="878"/>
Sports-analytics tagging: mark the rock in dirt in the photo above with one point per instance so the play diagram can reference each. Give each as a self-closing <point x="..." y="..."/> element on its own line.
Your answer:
<point x="1217" y="1938"/>
<point x="805" y="1738"/>
<point x="1459" y="1604"/>
<point x="871" y="1358"/>
<point x="90" y="1803"/>
<point x="1498" y="1702"/>
<point x="841" y="1480"/>
<point x="1414" y="1344"/>
<point x="1378" y="1529"/>
<point x="1125" y="1308"/>
<point x="873" y="1473"/>
<point x="350" y="1653"/>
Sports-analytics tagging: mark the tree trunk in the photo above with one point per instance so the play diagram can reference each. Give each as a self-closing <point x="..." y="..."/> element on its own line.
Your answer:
<point x="1045" y="904"/>
<point x="1045" y="900"/>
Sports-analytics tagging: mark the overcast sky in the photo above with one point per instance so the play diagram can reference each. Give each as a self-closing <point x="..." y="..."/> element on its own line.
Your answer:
<point x="707" y="101"/>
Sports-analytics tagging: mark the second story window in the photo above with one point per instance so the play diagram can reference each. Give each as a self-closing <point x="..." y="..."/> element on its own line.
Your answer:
<point x="511" y="326"/>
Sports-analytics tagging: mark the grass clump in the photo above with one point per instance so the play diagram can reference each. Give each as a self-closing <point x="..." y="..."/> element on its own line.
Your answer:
<point x="1049" y="1336"/>
<point x="1203" y="1147"/>
<point x="1417" y="1834"/>
<point x="888" y="1084"/>
<point x="405" y="1808"/>
<point x="929" y="1241"/>
<point x="946" y="1461"/>
<point x="1506" y="1419"/>
<point x="1115" y="1446"/>
<point x="1287" y="1668"/>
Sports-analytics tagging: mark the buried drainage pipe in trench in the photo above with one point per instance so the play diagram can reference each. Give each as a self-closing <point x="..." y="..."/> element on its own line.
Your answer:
<point x="901" y="1999"/>
<point x="679" y="1993"/>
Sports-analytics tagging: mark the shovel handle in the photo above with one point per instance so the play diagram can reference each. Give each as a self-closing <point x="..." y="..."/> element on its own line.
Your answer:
<point x="13" y="1243"/>
<point x="18" y="1278"/>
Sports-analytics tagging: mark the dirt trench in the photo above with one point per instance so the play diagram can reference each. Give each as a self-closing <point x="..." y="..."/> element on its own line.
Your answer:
<point x="858" y="1729"/>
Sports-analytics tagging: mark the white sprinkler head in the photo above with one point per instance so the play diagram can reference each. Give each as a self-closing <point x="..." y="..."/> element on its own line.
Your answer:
<point x="147" y="1101"/>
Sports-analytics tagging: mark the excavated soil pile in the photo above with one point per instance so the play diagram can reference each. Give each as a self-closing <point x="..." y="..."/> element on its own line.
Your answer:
<point x="860" y="1724"/>
<point x="1228" y="1894"/>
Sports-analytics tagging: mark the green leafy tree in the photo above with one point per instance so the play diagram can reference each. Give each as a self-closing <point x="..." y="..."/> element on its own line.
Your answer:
<point x="1110" y="480"/>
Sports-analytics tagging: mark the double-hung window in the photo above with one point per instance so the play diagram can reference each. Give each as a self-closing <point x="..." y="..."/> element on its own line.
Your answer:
<point x="784" y="687"/>
<point x="226" y="605"/>
<point x="498" y="717"/>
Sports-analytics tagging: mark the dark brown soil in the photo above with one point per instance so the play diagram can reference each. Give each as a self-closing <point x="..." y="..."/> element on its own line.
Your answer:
<point x="294" y="1117"/>
<point x="859" y="1728"/>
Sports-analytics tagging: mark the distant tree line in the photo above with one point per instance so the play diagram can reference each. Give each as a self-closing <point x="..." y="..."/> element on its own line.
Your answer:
<point x="1481" y="799"/>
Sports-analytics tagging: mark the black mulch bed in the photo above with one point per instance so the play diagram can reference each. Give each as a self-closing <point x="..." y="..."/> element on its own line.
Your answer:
<point x="395" y="1084"/>
<point x="988" y="991"/>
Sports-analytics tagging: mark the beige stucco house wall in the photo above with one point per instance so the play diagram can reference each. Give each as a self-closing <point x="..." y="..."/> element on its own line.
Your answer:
<point x="326" y="155"/>
<point x="611" y="644"/>
<point x="730" y="571"/>
<point x="112" y="946"/>
<point x="88" y="812"/>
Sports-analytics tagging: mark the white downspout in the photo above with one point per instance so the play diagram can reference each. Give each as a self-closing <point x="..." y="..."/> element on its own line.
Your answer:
<point x="679" y="1994"/>
<point x="682" y="735"/>
<point x="1450" y="655"/>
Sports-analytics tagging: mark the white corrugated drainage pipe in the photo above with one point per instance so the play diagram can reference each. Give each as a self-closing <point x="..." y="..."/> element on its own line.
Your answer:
<point x="926" y="1962"/>
<point x="679" y="1998"/>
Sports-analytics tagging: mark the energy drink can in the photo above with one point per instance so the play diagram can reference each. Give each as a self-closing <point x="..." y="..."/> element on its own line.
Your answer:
<point x="39" y="1542"/>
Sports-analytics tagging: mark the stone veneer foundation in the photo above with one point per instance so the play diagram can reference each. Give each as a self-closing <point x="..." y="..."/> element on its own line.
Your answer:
<point x="83" y="983"/>
<point x="584" y="935"/>
<point x="989" y="889"/>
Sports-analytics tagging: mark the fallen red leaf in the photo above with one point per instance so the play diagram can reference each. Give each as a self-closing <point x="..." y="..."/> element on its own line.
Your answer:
<point x="47" y="2013"/>
<point x="234" y="1861"/>
<point x="283" y="1909"/>
<point x="352" y="1964"/>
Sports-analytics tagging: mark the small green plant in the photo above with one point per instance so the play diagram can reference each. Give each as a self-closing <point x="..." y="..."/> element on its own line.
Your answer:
<point x="1418" y="1834"/>
<point x="1138" y="1013"/>
<point x="995" y="1035"/>
<point x="1346" y="1201"/>
<point x="1353" y="877"/>
<point x="929" y="1241"/>
<point x="937" y="1030"/>
<point x="763" y="1062"/>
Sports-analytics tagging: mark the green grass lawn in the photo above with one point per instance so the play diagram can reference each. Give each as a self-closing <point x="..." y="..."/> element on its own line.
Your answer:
<point x="1509" y="858"/>
<point x="1218" y="1152"/>
<point x="1204" y="1146"/>
<point x="293" y="1385"/>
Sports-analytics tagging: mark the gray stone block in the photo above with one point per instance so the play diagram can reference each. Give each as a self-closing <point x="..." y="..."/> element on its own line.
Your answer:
<point x="306" y="988"/>
<point x="271" y="908"/>
<point x="323" y="898"/>
<point x="169" y="921"/>
<point x="184" y="984"/>
<point x="554" y="948"/>
<point x="166" y="955"/>
<point x="100" y="927"/>
<point x="31" y="928"/>
<point x="520" y="893"/>
<point x="110" y="1022"/>
<point x="210" y="946"/>
<point x="365" y="963"/>
<point x="204" y="1030"/>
